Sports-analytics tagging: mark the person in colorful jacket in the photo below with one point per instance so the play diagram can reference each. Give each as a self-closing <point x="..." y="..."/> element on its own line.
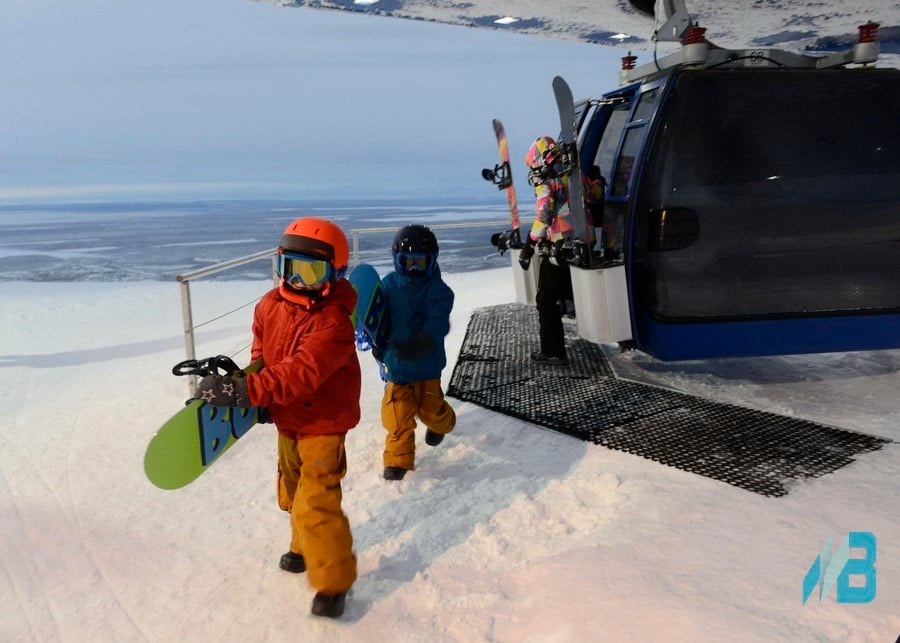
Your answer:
<point x="419" y="305"/>
<point x="551" y="227"/>
<point x="310" y="389"/>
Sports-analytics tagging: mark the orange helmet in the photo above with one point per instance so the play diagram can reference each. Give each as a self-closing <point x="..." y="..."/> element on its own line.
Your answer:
<point x="312" y="256"/>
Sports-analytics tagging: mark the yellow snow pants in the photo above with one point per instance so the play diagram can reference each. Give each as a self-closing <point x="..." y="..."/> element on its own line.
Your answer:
<point x="401" y="404"/>
<point x="310" y="470"/>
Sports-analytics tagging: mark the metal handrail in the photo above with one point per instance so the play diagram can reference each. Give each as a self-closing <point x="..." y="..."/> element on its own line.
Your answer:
<point x="225" y="265"/>
<point x="355" y="232"/>
<point x="186" y="313"/>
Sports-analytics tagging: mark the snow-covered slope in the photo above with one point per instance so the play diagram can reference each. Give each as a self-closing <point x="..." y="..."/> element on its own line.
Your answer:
<point x="736" y="24"/>
<point x="505" y="532"/>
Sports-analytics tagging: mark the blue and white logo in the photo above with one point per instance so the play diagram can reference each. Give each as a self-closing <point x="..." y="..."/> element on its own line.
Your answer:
<point x="829" y="570"/>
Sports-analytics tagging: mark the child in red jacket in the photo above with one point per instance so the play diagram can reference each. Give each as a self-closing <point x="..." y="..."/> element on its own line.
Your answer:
<point x="310" y="387"/>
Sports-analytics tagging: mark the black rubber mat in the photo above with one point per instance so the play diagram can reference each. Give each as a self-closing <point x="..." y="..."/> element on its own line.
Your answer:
<point x="758" y="451"/>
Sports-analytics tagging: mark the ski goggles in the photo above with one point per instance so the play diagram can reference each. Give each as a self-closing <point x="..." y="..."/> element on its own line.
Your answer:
<point x="302" y="271"/>
<point x="415" y="261"/>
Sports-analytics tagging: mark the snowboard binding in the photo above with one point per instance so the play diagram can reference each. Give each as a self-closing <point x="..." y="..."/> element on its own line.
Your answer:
<point x="207" y="366"/>
<point x="568" y="157"/>
<point x="505" y="240"/>
<point x="500" y="175"/>
<point x="573" y="251"/>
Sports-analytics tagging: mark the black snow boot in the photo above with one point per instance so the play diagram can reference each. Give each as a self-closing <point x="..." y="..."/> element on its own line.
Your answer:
<point x="394" y="473"/>
<point x="291" y="562"/>
<point x="328" y="605"/>
<point x="433" y="439"/>
<point x="549" y="360"/>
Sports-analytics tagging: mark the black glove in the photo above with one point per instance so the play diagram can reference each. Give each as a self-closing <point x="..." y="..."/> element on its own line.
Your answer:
<point x="526" y="254"/>
<point x="262" y="416"/>
<point x="221" y="390"/>
<point x="420" y="344"/>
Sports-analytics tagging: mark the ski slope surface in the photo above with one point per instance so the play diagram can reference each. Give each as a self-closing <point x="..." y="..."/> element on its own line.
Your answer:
<point x="796" y="26"/>
<point x="505" y="532"/>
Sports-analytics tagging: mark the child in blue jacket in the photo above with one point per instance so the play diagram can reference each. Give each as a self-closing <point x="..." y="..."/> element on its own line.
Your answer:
<point x="419" y="305"/>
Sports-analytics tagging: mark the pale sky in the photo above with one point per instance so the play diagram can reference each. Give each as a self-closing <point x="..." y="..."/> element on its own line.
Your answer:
<point x="217" y="99"/>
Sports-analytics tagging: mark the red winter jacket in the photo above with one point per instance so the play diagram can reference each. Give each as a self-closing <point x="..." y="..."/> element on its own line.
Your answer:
<point x="311" y="381"/>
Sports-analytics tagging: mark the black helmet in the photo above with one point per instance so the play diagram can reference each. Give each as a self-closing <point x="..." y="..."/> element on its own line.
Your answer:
<point x="415" y="250"/>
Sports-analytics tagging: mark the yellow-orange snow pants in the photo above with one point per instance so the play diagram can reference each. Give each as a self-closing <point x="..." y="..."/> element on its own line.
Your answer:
<point x="310" y="470"/>
<point x="401" y="404"/>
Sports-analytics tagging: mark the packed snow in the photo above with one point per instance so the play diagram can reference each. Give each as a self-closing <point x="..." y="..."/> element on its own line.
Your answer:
<point x="505" y="532"/>
<point x="797" y="26"/>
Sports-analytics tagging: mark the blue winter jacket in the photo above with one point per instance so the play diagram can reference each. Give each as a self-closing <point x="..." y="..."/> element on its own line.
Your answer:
<point x="419" y="312"/>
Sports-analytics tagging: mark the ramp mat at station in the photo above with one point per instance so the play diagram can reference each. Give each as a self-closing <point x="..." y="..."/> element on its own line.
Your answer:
<point x="762" y="452"/>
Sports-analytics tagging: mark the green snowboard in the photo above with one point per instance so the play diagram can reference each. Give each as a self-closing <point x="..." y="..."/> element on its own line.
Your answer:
<point x="195" y="437"/>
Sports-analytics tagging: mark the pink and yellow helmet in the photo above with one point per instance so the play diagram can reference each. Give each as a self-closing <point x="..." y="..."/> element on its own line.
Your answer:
<point x="544" y="152"/>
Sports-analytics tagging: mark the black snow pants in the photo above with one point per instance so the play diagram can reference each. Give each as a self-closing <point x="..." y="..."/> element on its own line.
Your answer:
<point x="554" y="284"/>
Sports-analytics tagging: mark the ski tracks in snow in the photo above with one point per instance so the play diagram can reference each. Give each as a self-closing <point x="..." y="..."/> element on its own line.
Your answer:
<point x="98" y="396"/>
<point x="47" y="553"/>
<point x="21" y="569"/>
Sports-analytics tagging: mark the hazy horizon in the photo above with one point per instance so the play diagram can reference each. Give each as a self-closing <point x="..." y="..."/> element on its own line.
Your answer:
<point x="231" y="99"/>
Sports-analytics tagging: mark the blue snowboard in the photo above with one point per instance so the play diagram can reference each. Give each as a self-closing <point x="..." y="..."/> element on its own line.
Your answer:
<point x="370" y="316"/>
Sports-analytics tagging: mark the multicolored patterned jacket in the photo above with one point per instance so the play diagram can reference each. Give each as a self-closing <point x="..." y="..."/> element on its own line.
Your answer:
<point x="552" y="221"/>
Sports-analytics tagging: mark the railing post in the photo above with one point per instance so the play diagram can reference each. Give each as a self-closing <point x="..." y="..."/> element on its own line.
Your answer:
<point x="188" y="321"/>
